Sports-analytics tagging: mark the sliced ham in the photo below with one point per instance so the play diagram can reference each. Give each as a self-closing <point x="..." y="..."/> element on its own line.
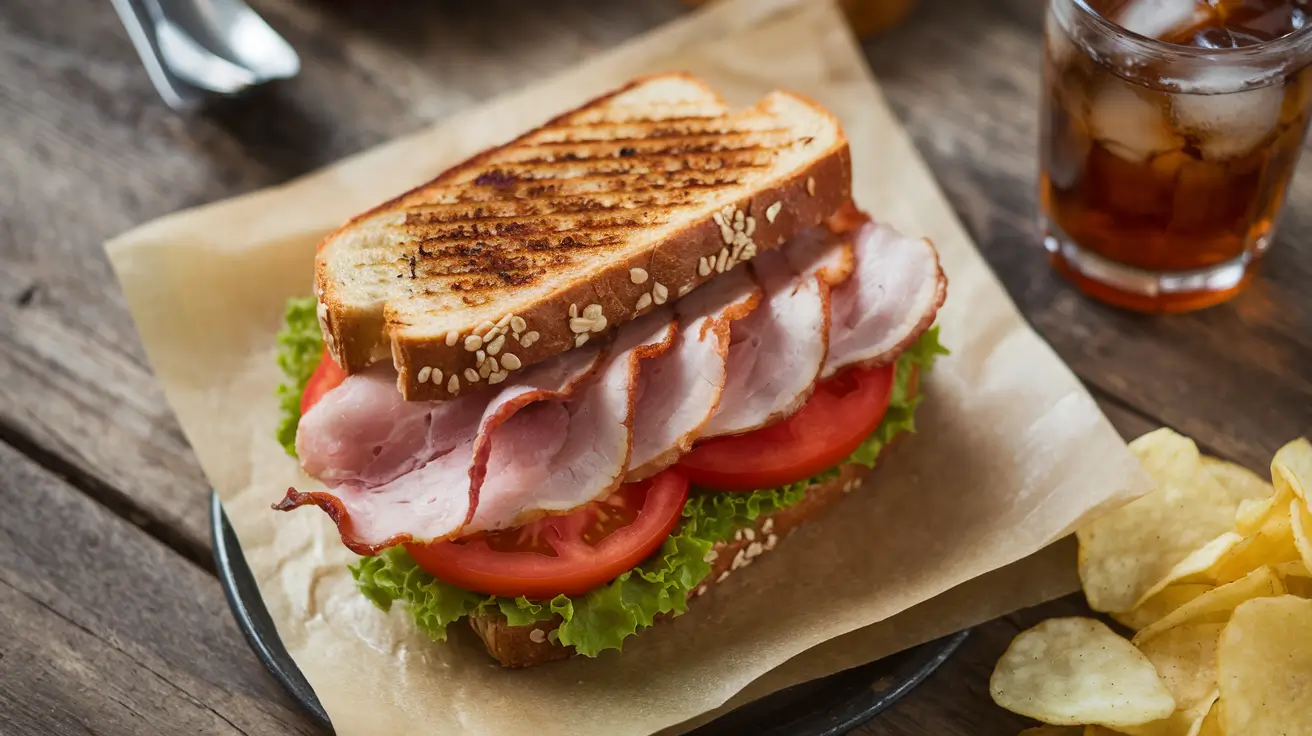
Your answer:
<point x="364" y="431"/>
<point x="679" y="390"/>
<point x="556" y="456"/>
<point x="892" y="298"/>
<point x="428" y="488"/>
<point x="776" y="352"/>
<point x="740" y="353"/>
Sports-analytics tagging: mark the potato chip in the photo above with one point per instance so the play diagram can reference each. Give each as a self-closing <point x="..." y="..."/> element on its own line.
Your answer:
<point x="1242" y="483"/>
<point x="1291" y="473"/>
<point x="1301" y="529"/>
<point x="1251" y="513"/>
<point x="1069" y="671"/>
<point x="1169" y="599"/>
<point x="1272" y="544"/>
<point x="1296" y="577"/>
<point x="1211" y="725"/>
<point x="1217" y="604"/>
<point x="1183" y="722"/>
<point x="1264" y="662"/>
<point x="1185" y="659"/>
<point x="1198" y="567"/>
<point x="1127" y="552"/>
<point x="1292" y="467"/>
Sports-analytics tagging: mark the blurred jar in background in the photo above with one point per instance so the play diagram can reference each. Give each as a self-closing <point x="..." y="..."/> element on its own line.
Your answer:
<point x="867" y="17"/>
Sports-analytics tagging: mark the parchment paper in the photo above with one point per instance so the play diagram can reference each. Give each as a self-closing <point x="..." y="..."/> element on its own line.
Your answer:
<point x="1011" y="453"/>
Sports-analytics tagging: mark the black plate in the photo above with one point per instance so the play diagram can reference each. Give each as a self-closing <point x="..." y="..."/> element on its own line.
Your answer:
<point x="825" y="707"/>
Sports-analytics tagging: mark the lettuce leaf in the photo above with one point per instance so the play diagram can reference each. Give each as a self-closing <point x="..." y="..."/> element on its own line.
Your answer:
<point x="300" y="346"/>
<point x="393" y="575"/>
<point x="603" y="618"/>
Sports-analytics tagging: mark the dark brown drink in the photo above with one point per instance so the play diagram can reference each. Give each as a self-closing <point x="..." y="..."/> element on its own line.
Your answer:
<point x="1170" y="132"/>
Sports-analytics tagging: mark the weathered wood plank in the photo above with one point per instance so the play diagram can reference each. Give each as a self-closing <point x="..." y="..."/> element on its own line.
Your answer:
<point x="963" y="76"/>
<point x="107" y="631"/>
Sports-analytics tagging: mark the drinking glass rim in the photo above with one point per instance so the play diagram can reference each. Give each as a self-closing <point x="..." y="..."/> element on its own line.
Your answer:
<point x="1299" y="42"/>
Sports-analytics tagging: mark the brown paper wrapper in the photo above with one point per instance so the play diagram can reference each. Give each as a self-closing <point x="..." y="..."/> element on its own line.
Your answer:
<point x="1011" y="453"/>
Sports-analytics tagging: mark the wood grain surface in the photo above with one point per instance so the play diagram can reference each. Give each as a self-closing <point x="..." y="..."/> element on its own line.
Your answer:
<point x="113" y="620"/>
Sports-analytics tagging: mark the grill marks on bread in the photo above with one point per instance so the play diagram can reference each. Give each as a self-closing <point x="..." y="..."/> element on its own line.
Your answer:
<point x="559" y="217"/>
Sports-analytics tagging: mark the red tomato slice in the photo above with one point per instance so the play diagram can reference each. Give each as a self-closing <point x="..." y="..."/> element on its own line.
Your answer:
<point x="837" y="418"/>
<point x="325" y="378"/>
<point x="570" y="554"/>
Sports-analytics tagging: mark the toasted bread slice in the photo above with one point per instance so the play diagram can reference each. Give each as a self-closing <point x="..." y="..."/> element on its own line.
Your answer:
<point x="520" y="646"/>
<point x="533" y="248"/>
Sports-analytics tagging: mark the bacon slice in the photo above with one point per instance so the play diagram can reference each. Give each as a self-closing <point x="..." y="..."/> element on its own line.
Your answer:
<point x="776" y="352"/>
<point x="428" y="487"/>
<point x="556" y="456"/>
<point x="891" y="299"/>
<point x="679" y="391"/>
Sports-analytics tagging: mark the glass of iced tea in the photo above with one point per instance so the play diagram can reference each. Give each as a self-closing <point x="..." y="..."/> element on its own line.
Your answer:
<point x="1170" y="131"/>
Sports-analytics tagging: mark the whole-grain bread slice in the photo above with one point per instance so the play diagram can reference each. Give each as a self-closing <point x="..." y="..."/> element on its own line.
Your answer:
<point x="534" y="247"/>
<point x="525" y="646"/>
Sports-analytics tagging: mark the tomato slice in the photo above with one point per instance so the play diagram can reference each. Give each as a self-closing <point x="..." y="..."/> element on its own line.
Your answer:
<point x="571" y="554"/>
<point x="325" y="378"/>
<point x="838" y="417"/>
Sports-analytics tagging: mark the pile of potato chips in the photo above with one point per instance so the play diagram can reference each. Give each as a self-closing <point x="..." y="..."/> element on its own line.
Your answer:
<point x="1213" y="571"/>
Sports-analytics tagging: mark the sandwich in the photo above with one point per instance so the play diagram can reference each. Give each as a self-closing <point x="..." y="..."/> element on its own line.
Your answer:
<point x="577" y="380"/>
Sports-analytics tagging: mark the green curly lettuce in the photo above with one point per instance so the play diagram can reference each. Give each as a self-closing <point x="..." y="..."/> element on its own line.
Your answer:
<point x="300" y="346"/>
<point x="605" y="617"/>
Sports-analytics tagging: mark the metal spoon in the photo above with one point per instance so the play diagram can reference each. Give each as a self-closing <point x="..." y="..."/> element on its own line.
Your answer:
<point x="192" y="48"/>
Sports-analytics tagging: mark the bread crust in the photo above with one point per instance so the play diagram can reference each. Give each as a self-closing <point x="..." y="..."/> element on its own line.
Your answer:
<point x="357" y="337"/>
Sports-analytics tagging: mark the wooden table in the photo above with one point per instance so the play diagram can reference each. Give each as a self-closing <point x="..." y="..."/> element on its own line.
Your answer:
<point x="113" y="621"/>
